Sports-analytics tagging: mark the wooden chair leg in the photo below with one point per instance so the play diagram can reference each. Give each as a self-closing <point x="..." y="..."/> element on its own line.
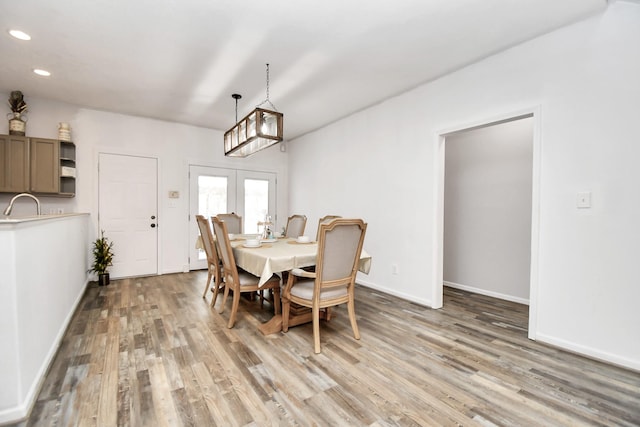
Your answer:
<point x="216" y="290"/>
<point x="352" y="317"/>
<point x="217" y="281"/>
<point x="224" y="299"/>
<point x="234" y="309"/>
<point x="206" y="286"/>
<point x="286" y="304"/>
<point x="265" y="295"/>
<point x="316" y="329"/>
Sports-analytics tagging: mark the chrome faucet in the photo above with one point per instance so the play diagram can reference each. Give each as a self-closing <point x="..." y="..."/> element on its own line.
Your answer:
<point x="7" y="211"/>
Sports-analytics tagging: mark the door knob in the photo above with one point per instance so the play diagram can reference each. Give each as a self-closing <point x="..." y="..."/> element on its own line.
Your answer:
<point x="153" y="217"/>
<point x="153" y="226"/>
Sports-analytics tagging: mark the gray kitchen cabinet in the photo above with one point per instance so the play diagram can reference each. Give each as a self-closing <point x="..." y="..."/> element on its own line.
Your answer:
<point x="37" y="165"/>
<point x="14" y="164"/>
<point x="45" y="174"/>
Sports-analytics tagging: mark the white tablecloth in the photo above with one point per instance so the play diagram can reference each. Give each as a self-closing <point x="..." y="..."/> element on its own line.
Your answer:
<point x="281" y="255"/>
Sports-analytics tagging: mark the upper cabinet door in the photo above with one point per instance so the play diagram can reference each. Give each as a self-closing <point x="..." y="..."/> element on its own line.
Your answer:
<point x="45" y="170"/>
<point x="14" y="164"/>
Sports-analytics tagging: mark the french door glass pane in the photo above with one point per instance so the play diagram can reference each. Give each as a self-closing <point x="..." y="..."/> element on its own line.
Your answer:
<point x="212" y="195"/>
<point x="212" y="199"/>
<point x="256" y="203"/>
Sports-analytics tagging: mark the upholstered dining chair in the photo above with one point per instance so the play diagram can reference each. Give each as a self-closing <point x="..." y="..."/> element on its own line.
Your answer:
<point x="239" y="281"/>
<point x="333" y="282"/>
<point x="322" y="220"/>
<point x="295" y="226"/>
<point x="233" y="222"/>
<point x="213" y="262"/>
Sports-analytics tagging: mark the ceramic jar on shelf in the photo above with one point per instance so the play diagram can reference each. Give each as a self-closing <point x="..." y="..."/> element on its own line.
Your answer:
<point x="64" y="132"/>
<point x="17" y="123"/>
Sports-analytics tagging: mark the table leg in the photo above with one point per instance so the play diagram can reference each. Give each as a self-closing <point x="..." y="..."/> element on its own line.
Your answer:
<point x="272" y="326"/>
<point x="297" y="316"/>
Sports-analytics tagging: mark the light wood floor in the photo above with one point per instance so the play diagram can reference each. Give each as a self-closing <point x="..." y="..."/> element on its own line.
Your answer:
<point x="150" y="352"/>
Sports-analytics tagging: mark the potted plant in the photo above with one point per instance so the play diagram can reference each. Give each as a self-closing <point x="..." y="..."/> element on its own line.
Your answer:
<point x="17" y="118"/>
<point x="102" y="258"/>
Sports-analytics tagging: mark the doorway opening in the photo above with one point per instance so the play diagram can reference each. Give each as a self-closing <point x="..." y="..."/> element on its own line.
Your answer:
<point x="487" y="210"/>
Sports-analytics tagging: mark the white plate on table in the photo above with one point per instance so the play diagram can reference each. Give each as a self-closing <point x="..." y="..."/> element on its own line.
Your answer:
<point x="268" y="240"/>
<point x="251" y="246"/>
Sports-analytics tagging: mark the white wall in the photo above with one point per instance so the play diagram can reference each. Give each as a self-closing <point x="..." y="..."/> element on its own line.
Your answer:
<point x="383" y="164"/>
<point x="37" y="304"/>
<point x="487" y="209"/>
<point x="175" y="145"/>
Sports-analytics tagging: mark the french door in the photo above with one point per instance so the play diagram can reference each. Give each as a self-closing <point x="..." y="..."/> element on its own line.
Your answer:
<point x="250" y="194"/>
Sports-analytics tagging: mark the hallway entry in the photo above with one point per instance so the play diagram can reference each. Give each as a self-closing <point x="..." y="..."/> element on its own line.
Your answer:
<point x="487" y="210"/>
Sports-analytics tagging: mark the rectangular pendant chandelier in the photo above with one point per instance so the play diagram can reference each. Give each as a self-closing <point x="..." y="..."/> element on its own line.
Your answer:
<point x="258" y="130"/>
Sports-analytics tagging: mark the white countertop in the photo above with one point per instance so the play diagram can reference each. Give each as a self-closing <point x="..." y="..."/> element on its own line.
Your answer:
<point x="21" y="219"/>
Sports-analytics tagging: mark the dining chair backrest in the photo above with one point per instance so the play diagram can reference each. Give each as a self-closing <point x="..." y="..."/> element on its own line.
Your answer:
<point x="339" y="247"/>
<point x="213" y="261"/>
<point x="226" y="253"/>
<point x="295" y="226"/>
<point x="323" y="220"/>
<point x="233" y="222"/>
<point x="207" y="239"/>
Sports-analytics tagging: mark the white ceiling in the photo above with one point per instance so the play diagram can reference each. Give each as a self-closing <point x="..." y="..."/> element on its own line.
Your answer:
<point x="180" y="60"/>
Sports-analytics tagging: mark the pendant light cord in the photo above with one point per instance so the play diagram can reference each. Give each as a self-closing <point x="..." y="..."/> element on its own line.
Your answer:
<point x="266" y="101"/>
<point x="236" y="96"/>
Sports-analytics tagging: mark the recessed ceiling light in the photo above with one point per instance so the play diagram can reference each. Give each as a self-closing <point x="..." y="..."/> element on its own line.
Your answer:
<point x="40" y="72"/>
<point x="20" y="34"/>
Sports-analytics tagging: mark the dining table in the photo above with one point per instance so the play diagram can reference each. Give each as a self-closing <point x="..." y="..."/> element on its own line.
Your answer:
<point x="277" y="256"/>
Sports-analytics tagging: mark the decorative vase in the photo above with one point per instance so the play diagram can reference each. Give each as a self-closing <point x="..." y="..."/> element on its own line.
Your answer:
<point x="103" y="279"/>
<point x="64" y="132"/>
<point x="17" y="123"/>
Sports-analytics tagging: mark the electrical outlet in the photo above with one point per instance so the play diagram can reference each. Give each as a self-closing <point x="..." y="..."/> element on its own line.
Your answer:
<point x="394" y="269"/>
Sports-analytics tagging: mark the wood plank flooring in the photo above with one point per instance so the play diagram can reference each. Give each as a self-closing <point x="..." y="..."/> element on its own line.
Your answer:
<point x="151" y="352"/>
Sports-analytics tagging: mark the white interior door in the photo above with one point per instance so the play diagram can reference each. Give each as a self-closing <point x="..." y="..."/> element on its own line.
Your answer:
<point x="250" y="194"/>
<point x="127" y="212"/>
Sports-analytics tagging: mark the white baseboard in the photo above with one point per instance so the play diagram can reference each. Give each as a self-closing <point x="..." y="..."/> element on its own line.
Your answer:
<point x="175" y="269"/>
<point x="13" y="415"/>
<point x="407" y="297"/>
<point x="486" y="292"/>
<point x="589" y="352"/>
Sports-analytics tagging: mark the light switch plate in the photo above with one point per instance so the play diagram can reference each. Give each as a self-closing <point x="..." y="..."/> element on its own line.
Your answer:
<point x="394" y="269"/>
<point x="174" y="194"/>
<point x="583" y="200"/>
